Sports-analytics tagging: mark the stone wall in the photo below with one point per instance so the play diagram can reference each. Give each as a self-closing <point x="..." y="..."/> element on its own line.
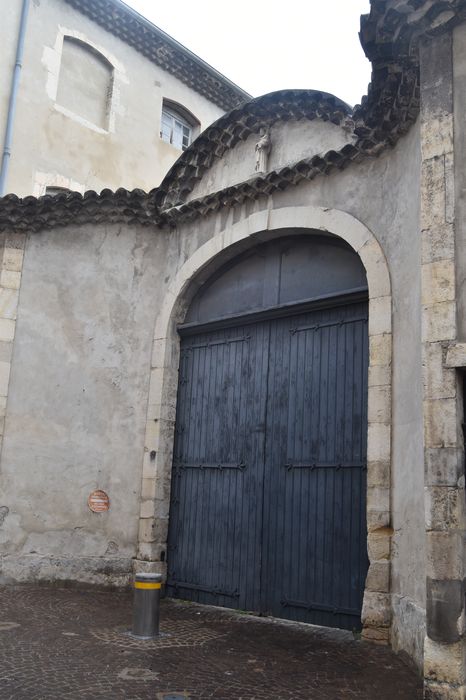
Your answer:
<point x="444" y="663"/>
<point x="77" y="399"/>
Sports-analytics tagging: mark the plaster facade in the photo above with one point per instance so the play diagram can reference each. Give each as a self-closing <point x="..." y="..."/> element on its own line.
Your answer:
<point x="54" y="143"/>
<point x="95" y="287"/>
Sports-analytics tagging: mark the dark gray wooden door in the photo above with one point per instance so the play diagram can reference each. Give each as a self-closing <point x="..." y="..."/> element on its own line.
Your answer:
<point x="269" y="475"/>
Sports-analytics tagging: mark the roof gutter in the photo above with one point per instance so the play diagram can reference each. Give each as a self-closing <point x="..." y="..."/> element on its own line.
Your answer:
<point x="13" y="97"/>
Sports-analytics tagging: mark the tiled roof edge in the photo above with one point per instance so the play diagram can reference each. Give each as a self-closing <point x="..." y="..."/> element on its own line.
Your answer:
<point x="73" y="208"/>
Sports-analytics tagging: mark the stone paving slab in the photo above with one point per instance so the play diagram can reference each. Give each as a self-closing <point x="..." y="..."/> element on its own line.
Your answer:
<point x="62" y="644"/>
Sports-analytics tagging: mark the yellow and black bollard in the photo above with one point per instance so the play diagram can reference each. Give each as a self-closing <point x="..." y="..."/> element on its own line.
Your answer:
<point x="146" y="607"/>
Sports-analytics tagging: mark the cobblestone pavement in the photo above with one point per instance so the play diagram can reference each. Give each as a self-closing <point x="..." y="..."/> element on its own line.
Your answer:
<point x="61" y="643"/>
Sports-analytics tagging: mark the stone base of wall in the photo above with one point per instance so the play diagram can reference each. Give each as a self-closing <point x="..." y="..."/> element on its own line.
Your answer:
<point x="408" y="629"/>
<point x="149" y="567"/>
<point x="91" y="571"/>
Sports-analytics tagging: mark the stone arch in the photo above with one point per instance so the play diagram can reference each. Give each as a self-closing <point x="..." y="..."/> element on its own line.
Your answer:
<point x="163" y="390"/>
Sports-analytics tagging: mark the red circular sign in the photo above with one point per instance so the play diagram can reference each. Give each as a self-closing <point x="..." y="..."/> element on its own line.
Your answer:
<point x="98" y="502"/>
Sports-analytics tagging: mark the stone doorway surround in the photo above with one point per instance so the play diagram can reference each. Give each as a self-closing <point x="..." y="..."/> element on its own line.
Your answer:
<point x="158" y="450"/>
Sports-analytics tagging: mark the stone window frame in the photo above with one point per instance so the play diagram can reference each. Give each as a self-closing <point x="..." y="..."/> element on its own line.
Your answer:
<point x="161" y="414"/>
<point x="51" y="59"/>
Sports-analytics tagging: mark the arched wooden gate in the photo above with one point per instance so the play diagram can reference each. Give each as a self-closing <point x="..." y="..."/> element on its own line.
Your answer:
<point x="269" y="475"/>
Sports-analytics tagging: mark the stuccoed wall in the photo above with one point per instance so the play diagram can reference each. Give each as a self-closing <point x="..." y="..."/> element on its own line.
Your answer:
<point x="78" y="398"/>
<point x="49" y="146"/>
<point x="79" y="386"/>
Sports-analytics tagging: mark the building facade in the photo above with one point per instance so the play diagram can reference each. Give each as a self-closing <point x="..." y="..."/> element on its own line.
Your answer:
<point x="105" y="98"/>
<point x="261" y="362"/>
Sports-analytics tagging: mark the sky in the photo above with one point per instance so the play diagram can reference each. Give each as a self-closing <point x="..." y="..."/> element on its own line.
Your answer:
<point x="264" y="46"/>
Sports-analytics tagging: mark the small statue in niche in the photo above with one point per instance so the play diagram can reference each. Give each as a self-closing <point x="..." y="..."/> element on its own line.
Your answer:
<point x="263" y="148"/>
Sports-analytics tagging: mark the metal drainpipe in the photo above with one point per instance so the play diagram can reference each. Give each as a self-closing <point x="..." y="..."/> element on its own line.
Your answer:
<point x="13" y="97"/>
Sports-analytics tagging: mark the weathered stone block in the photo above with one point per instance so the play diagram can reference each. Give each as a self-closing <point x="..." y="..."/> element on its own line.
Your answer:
<point x="378" y="474"/>
<point x="148" y="489"/>
<point x="380" y="349"/>
<point x="378" y="442"/>
<point x="150" y="551"/>
<point x="444" y="466"/>
<point x="441" y="423"/>
<point x="147" y="530"/>
<point x="450" y="187"/>
<point x="8" y="303"/>
<point x="156" y="384"/>
<point x="13" y="259"/>
<point x="6" y="351"/>
<point x="445" y="611"/>
<point x="147" y="508"/>
<point x="443" y="691"/>
<point x="437" y="136"/>
<point x="438" y="282"/>
<point x="444" y="507"/>
<point x="437" y="242"/>
<point x="376" y="635"/>
<point x="444" y="663"/>
<point x="380" y="375"/>
<point x="439" y="381"/>
<point x="437" y="75"/>
<point x="456" y="355"/>
<point x="379" y="404"/>
<point x="159" y="348"/>
<point x="149" y="567"/>
<point x="10" y="279"/>
<point x="433" y="193"/>
<point x="7" y="330"/>
<point x="444" y="559"/>
<point x="148" y="466"/>
<point x="439" y="322"/>
<point x="377" y="270"/>
<point x="5" y="368"/>
<point x="376" y="609"/>
<point x="378" y="499"/>
<point x="380" y="315"/>
<point x="377" y="520"/>
<point x="378" y="577"/>
<point x="379" y="544"/>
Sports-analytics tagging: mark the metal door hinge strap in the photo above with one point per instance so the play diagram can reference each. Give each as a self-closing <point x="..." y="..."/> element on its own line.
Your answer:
<point x="206" y="465"/>
<point x="325" y="465"/>
<point x="215" y="343"/>
<point x="318" y="326"/>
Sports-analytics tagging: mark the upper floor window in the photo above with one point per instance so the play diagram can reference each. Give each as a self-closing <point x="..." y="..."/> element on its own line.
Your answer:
<point x="86" y="82"/>
<point x="178" y="126"/>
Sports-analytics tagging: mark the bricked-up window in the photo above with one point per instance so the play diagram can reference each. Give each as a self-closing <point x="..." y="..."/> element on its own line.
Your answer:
<point x="178" y="126"/>
<point x="86" y="82"/>
<point x="53" y="191"/>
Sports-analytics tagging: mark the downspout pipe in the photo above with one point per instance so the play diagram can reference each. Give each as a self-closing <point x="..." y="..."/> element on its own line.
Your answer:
<point x="13" y="97"/>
